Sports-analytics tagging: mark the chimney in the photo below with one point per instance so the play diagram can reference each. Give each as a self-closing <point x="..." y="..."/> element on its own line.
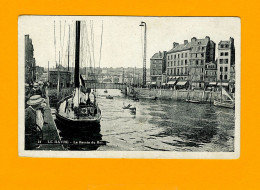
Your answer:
<point x="175" y="44"/>
<point x="208" y="38"/>
<point x="160" y="54"/>
<point x="231" y="40"/>
<point x="185" y="42"/>
<point x="194" y="39"/>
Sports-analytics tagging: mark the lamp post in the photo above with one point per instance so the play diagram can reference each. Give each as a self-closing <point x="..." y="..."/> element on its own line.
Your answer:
<point x="144" y="58"/>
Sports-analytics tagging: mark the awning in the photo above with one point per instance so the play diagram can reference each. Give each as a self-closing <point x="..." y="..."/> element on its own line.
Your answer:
<point x="181" y="83"/>
<point x="163" y="84"/>
<point x="213" y="83"/>
<point x="172" y="82"/>
<point x="153" y="82"/>
<point x="223" y="84"/>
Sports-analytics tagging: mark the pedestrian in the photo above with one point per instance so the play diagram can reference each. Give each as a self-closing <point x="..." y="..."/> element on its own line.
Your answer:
<point x="33" y="120"/>
<point x="35" y="90"/>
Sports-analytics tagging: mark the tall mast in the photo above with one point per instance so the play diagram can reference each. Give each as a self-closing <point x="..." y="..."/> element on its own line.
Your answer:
<point x="69" y="51"/>
<point x="58" y="84"/>
<point x="48" y="73"/>
<point x="76" y="76"/>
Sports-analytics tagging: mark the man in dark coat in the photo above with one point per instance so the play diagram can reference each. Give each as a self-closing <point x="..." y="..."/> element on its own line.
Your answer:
<point x="32" y="121"/>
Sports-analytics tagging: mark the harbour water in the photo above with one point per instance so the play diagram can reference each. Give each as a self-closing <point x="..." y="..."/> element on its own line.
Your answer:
<point x="165" y="125"/>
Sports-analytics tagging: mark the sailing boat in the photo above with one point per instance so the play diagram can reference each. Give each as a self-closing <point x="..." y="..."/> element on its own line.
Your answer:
<point x="225" y="103"/>
<point x="75" y="110"/>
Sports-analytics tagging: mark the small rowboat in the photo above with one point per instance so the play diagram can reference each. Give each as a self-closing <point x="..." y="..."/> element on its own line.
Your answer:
<point x="193" y="101"/>
<point x="109" y="97"/>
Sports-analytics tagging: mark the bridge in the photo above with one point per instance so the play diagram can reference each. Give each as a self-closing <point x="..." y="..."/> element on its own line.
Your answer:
<point x="105" y="85"/>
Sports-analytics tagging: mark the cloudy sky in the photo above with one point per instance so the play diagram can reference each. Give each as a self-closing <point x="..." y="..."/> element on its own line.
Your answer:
<point x="122" y="44"/>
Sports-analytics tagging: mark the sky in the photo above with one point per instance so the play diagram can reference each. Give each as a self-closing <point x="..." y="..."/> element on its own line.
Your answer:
<point x="122" y="39"/>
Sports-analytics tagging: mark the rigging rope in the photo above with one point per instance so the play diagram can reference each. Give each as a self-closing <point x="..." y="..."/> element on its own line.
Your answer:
<point x="55" y="44"/>
<point x="101" y="45"/>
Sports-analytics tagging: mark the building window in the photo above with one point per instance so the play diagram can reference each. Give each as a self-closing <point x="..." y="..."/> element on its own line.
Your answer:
<point x="202" y="55"/>
<point x="225" y="77"/>
<point x="185" y="61"/>
<point x="202" y="70"/>
<point x="174" y="71"/>
<point x="181" y="62"/>
<point x="221" y="54"/>
<point x="186" y="54"/>
<point x="178" y="62"/>
<point x="202" y="48"/>
<point x="226" y="53"/>
<point x="226" y="61"/>
<point x="174" y="56"/>
<point x="202" y="62"/>
<point x="178" y="55"/>
<point x="226" y="46"/>
<point x="222" y="46"/>
<point x="221" y="69"/>
<point x="171" y="56"/>
<point x="226" y="69"/>
<point x="197" y="62"/>
<point x="221" y="77"/>
<point x="220" y="61"/>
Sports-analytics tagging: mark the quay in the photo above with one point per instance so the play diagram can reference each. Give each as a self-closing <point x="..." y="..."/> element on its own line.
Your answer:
<point x="49" y="130"/>
<point x="181" y="95"/>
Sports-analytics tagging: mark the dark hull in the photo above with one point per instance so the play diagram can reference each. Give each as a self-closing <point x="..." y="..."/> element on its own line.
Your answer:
<point x="83" y="123"/>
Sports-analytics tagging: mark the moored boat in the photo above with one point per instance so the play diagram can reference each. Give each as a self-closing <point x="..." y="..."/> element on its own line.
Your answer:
<point x="109" y="97"/>
<point x="78" y="109"/>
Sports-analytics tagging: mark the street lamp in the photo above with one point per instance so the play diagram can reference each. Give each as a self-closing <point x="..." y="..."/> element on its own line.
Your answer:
<point x="144" y="58"/>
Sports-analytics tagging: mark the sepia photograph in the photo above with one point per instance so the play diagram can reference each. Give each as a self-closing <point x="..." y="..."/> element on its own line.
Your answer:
<point x="129" y="87"/>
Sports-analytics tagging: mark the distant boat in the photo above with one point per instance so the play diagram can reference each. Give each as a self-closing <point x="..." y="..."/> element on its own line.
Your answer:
<point x="105" y="91"/>
<point x="109" y="97"/>
<point x="225" y="103"/>
<point x="193" y="101"/>
<point x="129" y="106"/>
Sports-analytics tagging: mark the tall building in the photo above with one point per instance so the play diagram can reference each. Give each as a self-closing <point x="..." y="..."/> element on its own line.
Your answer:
<point x="30" y="72"/>
<point x="157" y="67"/>
<point x="226" y="60"/>
<point x="211" y="73"/>
<point x="186" y="62"/>
<point x="178" y="59"/>
<point x="202" y="52"/>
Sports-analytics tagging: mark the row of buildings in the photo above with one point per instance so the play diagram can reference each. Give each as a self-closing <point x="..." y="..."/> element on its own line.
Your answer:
<point x="194" y="63"/>
<point x="32" y="71"/>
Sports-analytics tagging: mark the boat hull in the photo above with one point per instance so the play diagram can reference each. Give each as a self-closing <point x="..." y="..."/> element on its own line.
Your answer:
<point x="81" y="123"/>
<point x="224" y="104"/>
<point x="193" y="101"/>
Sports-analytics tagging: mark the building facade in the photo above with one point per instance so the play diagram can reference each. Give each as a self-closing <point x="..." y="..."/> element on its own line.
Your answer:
<point x="226" y="60"/>
<point x="65" y="79"/>
<point x="157" y="68"/>
<point x="178" y="59"/>
<point x="210" y="72"/>
<point x="202" y="52"/>
<point x="186" y="62"/>
<point x="30" y="73"/>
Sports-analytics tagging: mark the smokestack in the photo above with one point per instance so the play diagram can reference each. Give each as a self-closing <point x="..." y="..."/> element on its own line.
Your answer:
<point x="185" y="42"/>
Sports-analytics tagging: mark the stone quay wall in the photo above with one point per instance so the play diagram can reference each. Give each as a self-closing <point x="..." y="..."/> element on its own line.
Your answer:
<point x="165" y="94"/>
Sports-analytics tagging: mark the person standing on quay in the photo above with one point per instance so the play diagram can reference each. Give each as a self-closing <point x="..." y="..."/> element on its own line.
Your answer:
<point x="33" y="121"/>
